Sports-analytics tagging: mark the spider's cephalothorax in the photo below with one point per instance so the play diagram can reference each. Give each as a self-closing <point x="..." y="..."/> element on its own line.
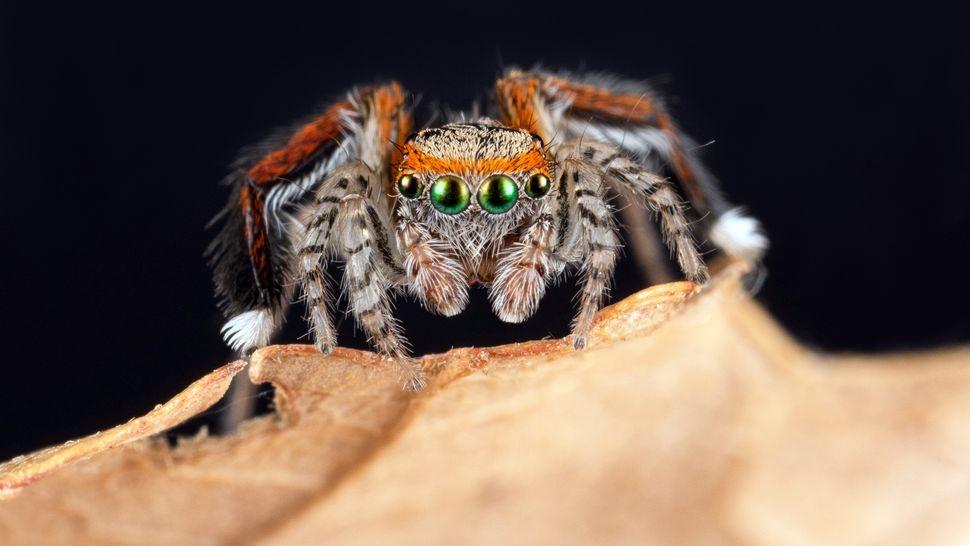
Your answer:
<point x="473" y="187"/>
<point x="507" y="204"/>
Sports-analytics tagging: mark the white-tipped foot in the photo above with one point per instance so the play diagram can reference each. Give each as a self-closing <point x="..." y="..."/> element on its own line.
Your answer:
<point x="739" y="235"/>
<point x="249" y="330"/>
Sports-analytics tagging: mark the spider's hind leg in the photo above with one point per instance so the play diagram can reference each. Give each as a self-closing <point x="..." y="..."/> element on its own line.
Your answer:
<point x="350" y="225"/>
<point x="631" y="118"/>
<point x="658" y="194"/>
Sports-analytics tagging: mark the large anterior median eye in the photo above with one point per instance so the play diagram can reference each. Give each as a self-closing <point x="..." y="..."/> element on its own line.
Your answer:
<point x="538" y="185"/>
<point x="409" y="186"/>
<point x="498" y="194"/>
<point x="449" y="194"/>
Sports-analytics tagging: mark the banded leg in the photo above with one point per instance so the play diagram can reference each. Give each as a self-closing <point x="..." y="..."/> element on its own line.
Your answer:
<point x="631" y="117"/>
<point x="658" y="194"/>
<point x="523" y="271"/>
<point x="626" y="114"/>
<point x="589" y="222"/>
<point x="352" y="227"/>
<point x="253" y="254"/>
<point x="317" y="248"/>
<point x="434" y="274"/>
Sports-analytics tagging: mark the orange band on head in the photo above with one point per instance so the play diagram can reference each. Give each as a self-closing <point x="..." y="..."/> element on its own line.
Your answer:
<point x="417" y="161"/>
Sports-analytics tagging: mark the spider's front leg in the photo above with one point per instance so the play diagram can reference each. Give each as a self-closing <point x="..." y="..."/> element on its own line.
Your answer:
<point x="350" y="225"/>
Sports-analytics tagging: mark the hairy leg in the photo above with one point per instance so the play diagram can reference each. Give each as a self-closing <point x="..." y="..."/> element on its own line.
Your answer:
<point x="349" y="225"/>
<point x="627" y="114"/>
<point x="658" y="194"/>
<point x="631" y="117"/>
<point x="253" y="254"/>
<point x="587" y="236"/>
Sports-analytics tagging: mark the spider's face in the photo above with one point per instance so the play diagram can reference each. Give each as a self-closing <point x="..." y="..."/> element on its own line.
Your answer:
<point x="468" y="172"/>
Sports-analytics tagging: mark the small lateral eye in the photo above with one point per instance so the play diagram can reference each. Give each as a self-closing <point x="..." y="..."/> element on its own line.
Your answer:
<point x="409" y="186"/>
<point x="498" y="194"/>
<point x="449" y="194"/>
<point x="537" y="186"/>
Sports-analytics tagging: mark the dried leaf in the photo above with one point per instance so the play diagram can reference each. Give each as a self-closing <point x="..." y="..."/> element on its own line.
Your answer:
<point x="199" y="396"/>
<point x="696" y="423"/>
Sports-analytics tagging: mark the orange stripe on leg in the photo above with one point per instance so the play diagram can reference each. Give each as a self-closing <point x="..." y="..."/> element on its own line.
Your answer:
<point x="518" y="99"/>
<point x="301" y="146"/>
<point x="251" y="203"/>
<point x="620" y="107"/>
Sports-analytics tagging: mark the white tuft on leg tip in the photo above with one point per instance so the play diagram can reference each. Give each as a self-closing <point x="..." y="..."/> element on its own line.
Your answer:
<point x="739" y="235"/>
<point x="249" y="330"/>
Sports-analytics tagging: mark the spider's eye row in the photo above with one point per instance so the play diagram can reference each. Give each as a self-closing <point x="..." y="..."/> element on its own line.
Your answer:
<point x="498" y="194"/>
<point x="538" y="185"/>
<point x="409" y="186"/>
<point x="449" y="194"/>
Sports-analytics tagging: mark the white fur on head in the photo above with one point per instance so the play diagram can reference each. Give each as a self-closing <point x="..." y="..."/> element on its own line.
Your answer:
<point x="249" y="330"/>
<point x="739" y="235"/>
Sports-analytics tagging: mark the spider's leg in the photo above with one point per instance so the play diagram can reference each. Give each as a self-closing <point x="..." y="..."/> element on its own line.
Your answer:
<point x="524" y="268"/>
<point x="364" y="243"/>
<point x="434" y="274"/>
<point x="353" y="228"/>
<point x="314" y="254"/>
<point x="588" y="236"/>
<point x="253" y="254"/>
<point x="631" y="117"/>
<point x="628" y="115"/>
<point x="630" y="178"/>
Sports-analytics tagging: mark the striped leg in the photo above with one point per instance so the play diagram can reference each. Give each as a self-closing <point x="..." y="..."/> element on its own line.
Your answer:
<point x="659" y="195"/>
<point x="349" y="225"/>
<point x="253" y="254"/>
<point x="588" y="221"/>
<point x="523" y="270"/>
<point x="627" y="114"/>
<point x="632" y="118"/>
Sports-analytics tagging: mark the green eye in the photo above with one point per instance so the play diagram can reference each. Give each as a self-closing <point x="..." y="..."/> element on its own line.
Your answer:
<point x="409" y="186"/>
<point x="538" y="186"/>
<point x="498" y="194"/>
<point x="449" y="194"/>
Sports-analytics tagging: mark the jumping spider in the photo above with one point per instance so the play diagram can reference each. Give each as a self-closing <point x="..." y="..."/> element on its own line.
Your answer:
<point x="507" y="204"/>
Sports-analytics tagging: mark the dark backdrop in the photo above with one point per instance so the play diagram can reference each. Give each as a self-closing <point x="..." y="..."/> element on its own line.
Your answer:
<point x="845" y="131"/>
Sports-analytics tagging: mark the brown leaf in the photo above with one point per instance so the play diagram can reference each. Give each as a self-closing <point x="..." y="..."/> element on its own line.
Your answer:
<point x="696" y="423"/>
<point x="199" y="396"/>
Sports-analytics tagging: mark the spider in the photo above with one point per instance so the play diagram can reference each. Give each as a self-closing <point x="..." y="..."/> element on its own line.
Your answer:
<point x="507" y="203"/>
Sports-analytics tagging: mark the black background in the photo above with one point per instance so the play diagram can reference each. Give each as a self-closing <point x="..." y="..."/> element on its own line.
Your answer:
<point x="845" y="131"/>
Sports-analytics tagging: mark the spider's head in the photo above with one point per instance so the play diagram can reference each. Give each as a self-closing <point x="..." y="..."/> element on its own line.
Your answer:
<point x="483" y="168"/>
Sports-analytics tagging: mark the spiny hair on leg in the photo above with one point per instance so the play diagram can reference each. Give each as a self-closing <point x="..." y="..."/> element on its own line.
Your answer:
<point x="657" y="193"/>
